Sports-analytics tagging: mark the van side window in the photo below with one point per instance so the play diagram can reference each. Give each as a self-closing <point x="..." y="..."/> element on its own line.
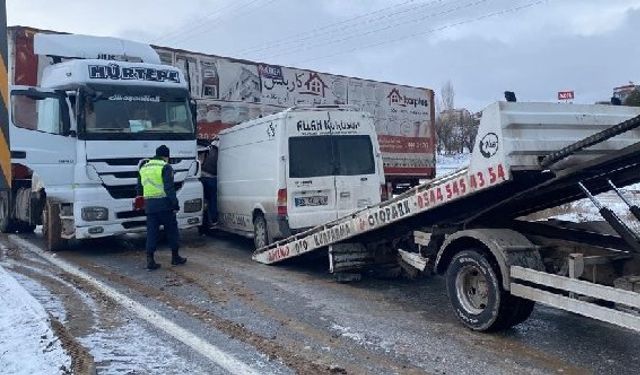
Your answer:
<point x="343" y="155"/>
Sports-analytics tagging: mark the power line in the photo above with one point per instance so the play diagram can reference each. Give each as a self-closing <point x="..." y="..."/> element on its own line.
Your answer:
<point x="233" y="7"/>
<point x="180" y="29"/>
<point x="230" y="16"/>
<point x="379" y="29"/>
<point x="430" y="31"/>
<point x="316" y="31"/>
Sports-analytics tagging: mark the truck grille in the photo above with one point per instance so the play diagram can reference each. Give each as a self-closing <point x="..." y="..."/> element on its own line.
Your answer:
<point x="129" y="191"/>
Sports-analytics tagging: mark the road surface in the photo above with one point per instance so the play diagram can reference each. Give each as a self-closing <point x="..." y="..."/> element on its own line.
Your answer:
<point x="222" y="313"/>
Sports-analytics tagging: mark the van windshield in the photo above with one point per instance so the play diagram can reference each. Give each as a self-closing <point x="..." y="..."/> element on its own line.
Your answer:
<point x="328" y="155"/>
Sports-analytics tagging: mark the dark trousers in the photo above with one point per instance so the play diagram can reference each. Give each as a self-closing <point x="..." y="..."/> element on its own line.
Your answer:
<point x="210" y="185"/>
<point x="168" y="220"/>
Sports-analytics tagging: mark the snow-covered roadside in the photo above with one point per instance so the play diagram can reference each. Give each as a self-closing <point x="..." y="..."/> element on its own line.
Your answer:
<point x="446" y="164"/>
<point x="27" y="342"/>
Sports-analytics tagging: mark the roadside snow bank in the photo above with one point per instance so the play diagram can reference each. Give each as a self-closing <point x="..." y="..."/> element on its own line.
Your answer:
<point x="27" y="342"/>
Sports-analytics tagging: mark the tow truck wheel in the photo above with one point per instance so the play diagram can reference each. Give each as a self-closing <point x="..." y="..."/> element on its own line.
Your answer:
<point x="6" y="225"/>
<point x="260" y="233"/>
<point x="476" y="293"/>
<point x="52" y="227"/>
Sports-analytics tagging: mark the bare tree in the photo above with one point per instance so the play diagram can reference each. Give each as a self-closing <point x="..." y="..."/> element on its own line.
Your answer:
<point x="633" y="99"/>
<point x="469" y="130"/>
<point x="447" y="97"/>
<point x="444" y="123"/>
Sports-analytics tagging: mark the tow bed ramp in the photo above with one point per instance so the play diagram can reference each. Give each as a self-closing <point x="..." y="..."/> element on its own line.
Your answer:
<point x="527" y="157"/>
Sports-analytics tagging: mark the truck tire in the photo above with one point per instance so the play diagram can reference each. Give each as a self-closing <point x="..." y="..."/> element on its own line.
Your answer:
<point x="6" y="223"/>
<point x="521" y="310"/>
<point x="476" y="294"/>
<point x="52" y="227"/>
<point x="25" y="227"/>
<point x="260" y="232"/>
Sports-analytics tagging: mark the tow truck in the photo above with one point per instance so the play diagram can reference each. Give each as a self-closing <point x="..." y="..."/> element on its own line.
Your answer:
<point x="475" y="226"/>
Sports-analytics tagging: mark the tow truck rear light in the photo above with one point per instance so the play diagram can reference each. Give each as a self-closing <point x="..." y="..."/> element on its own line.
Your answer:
<point x="282" y="202"/>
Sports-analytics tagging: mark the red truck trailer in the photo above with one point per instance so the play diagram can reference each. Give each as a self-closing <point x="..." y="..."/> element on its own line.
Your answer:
<point x="229" y="91"/>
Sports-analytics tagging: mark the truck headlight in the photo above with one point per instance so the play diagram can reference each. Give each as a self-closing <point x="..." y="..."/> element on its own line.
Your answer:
<point x="193" y="205"/>
<point x="93" y="213"/>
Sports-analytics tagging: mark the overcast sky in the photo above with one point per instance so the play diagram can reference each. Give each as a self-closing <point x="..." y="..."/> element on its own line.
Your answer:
<point x="484" y="47"/>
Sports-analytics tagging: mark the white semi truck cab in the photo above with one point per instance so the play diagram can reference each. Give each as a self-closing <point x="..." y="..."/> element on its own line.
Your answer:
<point x="77" y="140"/>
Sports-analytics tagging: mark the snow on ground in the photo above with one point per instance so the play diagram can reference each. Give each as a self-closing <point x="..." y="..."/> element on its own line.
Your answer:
<point x="27" y="342"/>
<point x="579" y="211"/>
<point x="446" y="164"/>
<point x="584" y="210"/>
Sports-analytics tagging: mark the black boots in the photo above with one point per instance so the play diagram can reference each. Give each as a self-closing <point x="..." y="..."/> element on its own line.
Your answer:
<point x="176" y="259"/>
<point x="151" y="263"/>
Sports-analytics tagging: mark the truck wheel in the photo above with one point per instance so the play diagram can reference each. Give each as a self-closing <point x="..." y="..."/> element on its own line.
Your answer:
<point x="52" y="227"/>
<point x="25" y="228"/>
<point x="521" y="310"/>
<point x="476" y="293"/>
<point x="6" y="224"/>
<point x="260" y="232"/>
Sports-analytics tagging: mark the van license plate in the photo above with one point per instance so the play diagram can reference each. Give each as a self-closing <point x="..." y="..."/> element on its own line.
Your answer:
<point x="317" y="200"/>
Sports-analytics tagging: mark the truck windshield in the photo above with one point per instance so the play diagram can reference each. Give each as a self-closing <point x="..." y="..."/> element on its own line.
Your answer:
<point x="137" y="114"/>
<point x="339" y="155"/>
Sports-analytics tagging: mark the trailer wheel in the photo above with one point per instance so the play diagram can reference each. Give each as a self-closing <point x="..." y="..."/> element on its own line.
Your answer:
<point x="476" y="293"/>
<point x="6" y="223"/>
<point x="260" y="232"/>
<point x="52" y="227"/>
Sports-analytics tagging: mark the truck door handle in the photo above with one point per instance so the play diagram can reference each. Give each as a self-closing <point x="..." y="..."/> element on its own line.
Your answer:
<point x="18" y="154"/>
<point x="363" y="179"/>
<point x="345" y="194"/>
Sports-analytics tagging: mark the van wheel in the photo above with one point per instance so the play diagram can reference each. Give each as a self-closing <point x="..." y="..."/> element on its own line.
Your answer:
<point x="260" y="233"/>
<point x="476" y="293"/>
<point x="52" y="227"/>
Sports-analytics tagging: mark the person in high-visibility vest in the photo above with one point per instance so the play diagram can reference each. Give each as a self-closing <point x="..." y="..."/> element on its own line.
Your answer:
<point x="155" y="185"/>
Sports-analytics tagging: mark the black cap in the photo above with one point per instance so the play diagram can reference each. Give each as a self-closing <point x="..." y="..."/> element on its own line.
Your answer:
<point x="162" y="151"/>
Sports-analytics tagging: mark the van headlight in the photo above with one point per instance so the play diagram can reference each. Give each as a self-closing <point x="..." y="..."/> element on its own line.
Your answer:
<point x="94" y="213"/>
<point x="193" y="205"/>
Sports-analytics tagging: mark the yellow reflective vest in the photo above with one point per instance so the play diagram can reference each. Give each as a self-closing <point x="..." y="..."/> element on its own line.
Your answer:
<point x="151" y="179"/>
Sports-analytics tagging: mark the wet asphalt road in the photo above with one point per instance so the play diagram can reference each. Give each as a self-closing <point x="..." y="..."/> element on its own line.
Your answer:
<point x="295" y="318"/>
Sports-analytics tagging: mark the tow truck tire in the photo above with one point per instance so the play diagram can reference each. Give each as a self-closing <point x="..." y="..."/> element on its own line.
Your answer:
<point x="25" y="228"/>
<point x="521" y="310"/>
<point x="476" y="294"/>
<point x="52" y="227"/>
<point x="260" y="232"/>
<point x="6" y="223"/>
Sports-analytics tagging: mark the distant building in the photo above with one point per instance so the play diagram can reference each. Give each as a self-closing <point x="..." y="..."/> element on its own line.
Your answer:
<point x="622" y="92"/>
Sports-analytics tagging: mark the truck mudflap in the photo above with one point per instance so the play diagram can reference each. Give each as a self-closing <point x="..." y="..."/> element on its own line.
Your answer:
<point x="578" y="296"/>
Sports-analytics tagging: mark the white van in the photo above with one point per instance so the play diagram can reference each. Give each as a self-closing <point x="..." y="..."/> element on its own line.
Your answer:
<point x="282" y="174"/>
